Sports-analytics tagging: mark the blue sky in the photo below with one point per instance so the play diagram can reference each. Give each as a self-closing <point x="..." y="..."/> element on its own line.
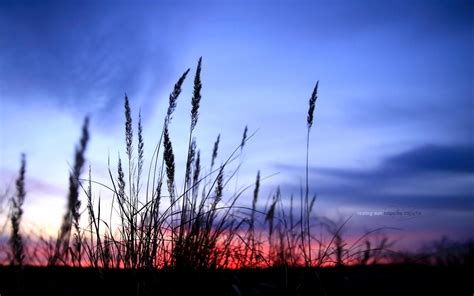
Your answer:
<point x="393" y="123"/>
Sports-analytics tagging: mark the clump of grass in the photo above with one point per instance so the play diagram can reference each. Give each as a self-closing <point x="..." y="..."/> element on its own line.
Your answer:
<point x="16" y="240"/>
<point x="196" y="230"/>
<point x="201" y="226"/>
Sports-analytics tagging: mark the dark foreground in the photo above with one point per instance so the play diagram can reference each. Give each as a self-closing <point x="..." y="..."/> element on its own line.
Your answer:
<point x="357" y="280"/>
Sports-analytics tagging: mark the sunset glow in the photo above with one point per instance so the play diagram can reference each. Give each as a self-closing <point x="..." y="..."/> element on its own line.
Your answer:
<point x="391" y="145"/>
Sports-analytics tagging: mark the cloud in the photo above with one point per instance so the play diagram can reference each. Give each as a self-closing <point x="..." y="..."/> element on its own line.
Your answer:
<point x="434" y="158"/>
<point x="80" y="58"/>
<point x="425" y="159"/>
<point x="34" y="185"/>
<point x="428" y="177"/>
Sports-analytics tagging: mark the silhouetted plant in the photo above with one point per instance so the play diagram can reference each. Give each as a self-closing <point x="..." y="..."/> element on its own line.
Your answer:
<point x="306" y="229"/>
<point x="201" y="226"/>
<point x="16" y="240"/>
<point x="73" y="203"/>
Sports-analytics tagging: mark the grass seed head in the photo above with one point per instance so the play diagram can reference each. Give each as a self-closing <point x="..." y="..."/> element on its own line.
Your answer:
<point x="312" y="103"/>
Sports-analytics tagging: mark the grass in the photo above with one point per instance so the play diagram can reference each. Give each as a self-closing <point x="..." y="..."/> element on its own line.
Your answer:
<point x="154" y="225"/>
<point x="16" y="240"/>
<point x="72" y="215"/>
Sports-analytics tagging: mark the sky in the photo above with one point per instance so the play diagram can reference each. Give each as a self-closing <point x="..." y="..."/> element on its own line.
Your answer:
<point x="393" y="127"/>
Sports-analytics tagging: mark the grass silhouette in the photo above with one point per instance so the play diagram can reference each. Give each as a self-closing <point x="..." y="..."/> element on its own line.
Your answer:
<point x="16" y="241"/>
<point x="154" y="226"/>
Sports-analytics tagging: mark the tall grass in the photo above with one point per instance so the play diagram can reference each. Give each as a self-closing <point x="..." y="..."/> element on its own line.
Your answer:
<point x="152" y="222"/>
<point x="307" y="206"/>
<point x="16" y="240"/>
<point x="72" y="215"/>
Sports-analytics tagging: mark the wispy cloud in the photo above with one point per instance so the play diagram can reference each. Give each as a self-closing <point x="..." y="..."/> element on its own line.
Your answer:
<point x="80" y="58"/>
<point x="429" y="177"/>
<point x="434" y="158"/>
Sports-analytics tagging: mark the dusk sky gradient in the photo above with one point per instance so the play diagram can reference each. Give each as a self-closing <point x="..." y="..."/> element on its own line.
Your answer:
<point x="393" y="122"/>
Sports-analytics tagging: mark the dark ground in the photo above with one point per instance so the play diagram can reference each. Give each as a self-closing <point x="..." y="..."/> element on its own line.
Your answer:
<point x="357" y="280"/>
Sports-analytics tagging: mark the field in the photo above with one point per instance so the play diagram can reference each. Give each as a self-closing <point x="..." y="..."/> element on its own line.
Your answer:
<point x="159" y="237"/>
